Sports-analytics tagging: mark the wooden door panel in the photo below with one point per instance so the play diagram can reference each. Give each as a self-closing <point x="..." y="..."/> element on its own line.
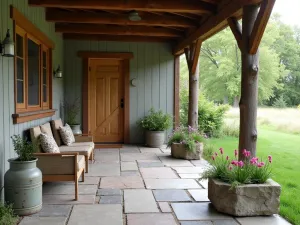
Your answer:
<point x="106" y="87"/>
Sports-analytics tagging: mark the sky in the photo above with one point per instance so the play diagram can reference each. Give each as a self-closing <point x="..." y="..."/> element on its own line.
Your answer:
<point x="289" y="11"/>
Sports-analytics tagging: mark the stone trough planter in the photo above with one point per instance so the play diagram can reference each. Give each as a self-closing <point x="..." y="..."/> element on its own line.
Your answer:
<point x="180" y="152"/>
<point x="245" y="200"/>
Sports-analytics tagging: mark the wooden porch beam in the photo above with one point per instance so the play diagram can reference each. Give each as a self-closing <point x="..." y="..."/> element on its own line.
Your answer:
<point x="55" y="15"/>
<point x="206" y="29"/>
<point x="260" y="25"/>
<point x="193" y="6"/>
<point x="236" y="30"/>
<point x="103" y="37"/>
<point x="196" y="53"/>
<point x="116" y="30"/>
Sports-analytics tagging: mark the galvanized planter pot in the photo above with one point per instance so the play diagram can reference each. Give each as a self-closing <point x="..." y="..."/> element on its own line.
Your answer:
<point x="180" y="152"/>
<point x="155" y="139"/>
<point x="76" y="129"/>
<point x="245" y="200"/>
<point x="23" y="187"/>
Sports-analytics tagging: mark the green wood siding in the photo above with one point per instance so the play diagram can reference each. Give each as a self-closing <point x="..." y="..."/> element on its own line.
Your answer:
<point x="152" y="66"/>
<point x="7" y="128"/>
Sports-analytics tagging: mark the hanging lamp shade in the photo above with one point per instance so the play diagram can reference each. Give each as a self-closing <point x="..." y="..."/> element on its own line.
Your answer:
<point x="8" y="46"/>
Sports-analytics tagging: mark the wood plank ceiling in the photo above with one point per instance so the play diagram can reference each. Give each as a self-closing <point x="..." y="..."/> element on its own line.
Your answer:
<point x="179" y="22"/>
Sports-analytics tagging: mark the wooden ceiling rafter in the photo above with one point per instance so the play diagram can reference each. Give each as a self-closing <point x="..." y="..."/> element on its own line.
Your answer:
<point x="116" y="30"/>
<point x="181" y="6"/>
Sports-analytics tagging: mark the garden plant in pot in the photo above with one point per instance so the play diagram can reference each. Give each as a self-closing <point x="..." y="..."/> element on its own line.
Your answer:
<point x="23" y="180"/>
<point x="71" y="110"/>
<point x="242" y="188"/>
<point x="155" y="124"/>
<point x="186" y="143"/>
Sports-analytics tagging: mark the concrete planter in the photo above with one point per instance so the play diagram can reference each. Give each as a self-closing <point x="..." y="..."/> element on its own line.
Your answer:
<point x="180" y="152"/>
<point x="245" y="200"/>
<point x="76" y="129"/>
<point x="155" y="139"/>
<point x="23" y="187"/>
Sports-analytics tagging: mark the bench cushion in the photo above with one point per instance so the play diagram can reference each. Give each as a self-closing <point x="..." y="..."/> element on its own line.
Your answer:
<point x="67" y="135"/>
<point x="56" y="124"/>
<point x="48" y="143"/>
<point x="76" y="144"/>
<point x="46" y="129"/>
<point x="82" y="150"/>
<point x="34" y="135"/>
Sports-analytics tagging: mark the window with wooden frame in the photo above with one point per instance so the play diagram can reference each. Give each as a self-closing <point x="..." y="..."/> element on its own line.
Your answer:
<point x="33" y="71"/>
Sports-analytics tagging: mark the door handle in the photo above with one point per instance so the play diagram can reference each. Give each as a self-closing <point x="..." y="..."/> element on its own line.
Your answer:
<point x="122" y="103"/>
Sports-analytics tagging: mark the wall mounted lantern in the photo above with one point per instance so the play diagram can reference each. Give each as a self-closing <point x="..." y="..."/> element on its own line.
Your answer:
<point x="58" y="72"/>
<point x="7" y="47"/>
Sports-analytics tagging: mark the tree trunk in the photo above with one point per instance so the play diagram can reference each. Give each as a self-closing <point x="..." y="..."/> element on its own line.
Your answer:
<point x="249" y="86"/>
<point x="236" y="100"/>
<point x="193" y="98"/>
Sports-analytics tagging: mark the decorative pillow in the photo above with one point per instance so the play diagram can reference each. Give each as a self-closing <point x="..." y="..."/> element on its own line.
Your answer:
<point x="48" y="143"/>
<point x="66" y="135"/>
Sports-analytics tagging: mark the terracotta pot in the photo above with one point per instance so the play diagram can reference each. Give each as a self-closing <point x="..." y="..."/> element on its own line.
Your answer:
<point x="245" y="200"/>
<point x="179" y="151"/>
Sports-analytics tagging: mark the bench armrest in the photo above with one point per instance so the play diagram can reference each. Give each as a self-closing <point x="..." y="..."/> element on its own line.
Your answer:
<point x="83" y="138"/>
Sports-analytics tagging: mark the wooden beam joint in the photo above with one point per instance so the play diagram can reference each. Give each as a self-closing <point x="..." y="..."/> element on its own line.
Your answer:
<point x="236" y="29"/>
<point x="192" y="55"/>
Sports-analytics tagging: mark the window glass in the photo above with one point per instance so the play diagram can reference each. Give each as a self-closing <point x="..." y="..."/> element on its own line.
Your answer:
<point x="20" y="91"/>
<point x="19" y="43"/>
<point x="33" y="73"/>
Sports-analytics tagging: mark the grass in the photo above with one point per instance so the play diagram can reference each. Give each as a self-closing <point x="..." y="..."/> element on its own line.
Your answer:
<point x="285" y="149"/>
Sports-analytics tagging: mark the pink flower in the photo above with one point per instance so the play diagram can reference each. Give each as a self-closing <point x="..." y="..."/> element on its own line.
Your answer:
<point x="213" y="158"/>
<point x="234" y="162"/>
<point x="240" y="163"/>
<point x="227" y="158"/>
<point x="221" y="151"/>
<point x="235" y="153"/>
<point x="216" y="154"/>
<point x="230" y="168"/>
<point x="246" y="153"/>
<point x="254" y="160"/>
<point x="270" y="158"/>
<point x="261" y="164"/>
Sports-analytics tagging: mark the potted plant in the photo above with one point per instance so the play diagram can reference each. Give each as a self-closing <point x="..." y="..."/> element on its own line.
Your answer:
<point x="23" y="180"/>
<point x="155" y="124"/>
<point x="71" y="110"/>
<point x="242" y="188"/>
<point x="186" y="143"/>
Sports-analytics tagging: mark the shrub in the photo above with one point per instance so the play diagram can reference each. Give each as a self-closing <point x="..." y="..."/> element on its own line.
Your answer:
<point x="7" y="216"/>
<point x="23" y="148"/>
<point x="208" y="151"/>
<point x="71" y="110"/>
<point x="187" y="136"/>
<point x="210" y="116"/>
<point x="234" y="172"/>
<point x="232" y="129"/>
<point x="280" y="102"/>
<point x="156" y="121"/>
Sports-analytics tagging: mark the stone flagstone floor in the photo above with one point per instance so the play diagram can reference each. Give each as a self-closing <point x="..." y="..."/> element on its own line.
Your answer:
<point x="136" y="186"/>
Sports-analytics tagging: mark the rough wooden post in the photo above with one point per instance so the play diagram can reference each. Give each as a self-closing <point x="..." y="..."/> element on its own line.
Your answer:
<point x="249" y="85"/>
<point x="193" y="97"/>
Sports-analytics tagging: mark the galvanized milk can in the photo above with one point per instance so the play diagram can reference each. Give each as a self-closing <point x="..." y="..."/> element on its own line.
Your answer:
<point x="23" y="187"/>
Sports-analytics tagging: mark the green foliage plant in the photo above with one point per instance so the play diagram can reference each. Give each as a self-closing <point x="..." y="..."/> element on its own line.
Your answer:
<point x="156" y="121"/>
<point x="7" y="216"/>
<point x="23" y="148"/>
<point x="71" y="110"/>
<point x="187" y="136"/>
<point x="280" y="102"/>
<point x="234" y="172"/>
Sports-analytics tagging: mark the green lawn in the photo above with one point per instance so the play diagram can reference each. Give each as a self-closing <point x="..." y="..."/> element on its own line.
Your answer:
<point x="285" y="149"/>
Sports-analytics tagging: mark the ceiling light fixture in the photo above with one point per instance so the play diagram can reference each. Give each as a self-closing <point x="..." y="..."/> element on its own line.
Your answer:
<point x="134" y="16"/>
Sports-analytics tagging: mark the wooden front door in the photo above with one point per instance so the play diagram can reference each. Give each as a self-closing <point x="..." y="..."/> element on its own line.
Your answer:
<point x="106" y="96"/>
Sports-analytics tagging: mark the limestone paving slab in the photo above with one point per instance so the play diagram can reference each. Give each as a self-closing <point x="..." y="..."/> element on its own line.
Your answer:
<point x="189" y="175"/>
<point x="164" y="207"/>
<point x="192" y="170"/>
<point x="151" y="219"/>
<point x="43" y="220"/>
<point x="128" y="157"/>
<point x="203" y="183"/>
<point x="201" y="162"/>
<point x="103" y="169"/>
<point x="107" y="156"/>
<point x="225" y="222"/>
<point x="104" y="192"/>
<point x="171" y="196"/>
<point x="54" y="211"/>
<point x="96" y="214"/>
<point x="68" y="199"/>
<point x="139" y="201"/>
<point x="61" y="189"/>
<point x="111" y="199"/>
<point x="196" y="211"/>
<point x="150" y="150"/>
<point x="87" y="180"/>
<point x="167" y="160"/>
<point x="130" y="173"/>
<point x="128" y="166"/>
<point x="147" y="163"/>
<point x="265" y="220"/>
<point x="158" y="172"/>
<point x="171" y="184"/>
<point x="122" y="182"/>
<point x="130" y="150"/>
<point x="199" y="195"/>
<point x="196" y="223"/>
